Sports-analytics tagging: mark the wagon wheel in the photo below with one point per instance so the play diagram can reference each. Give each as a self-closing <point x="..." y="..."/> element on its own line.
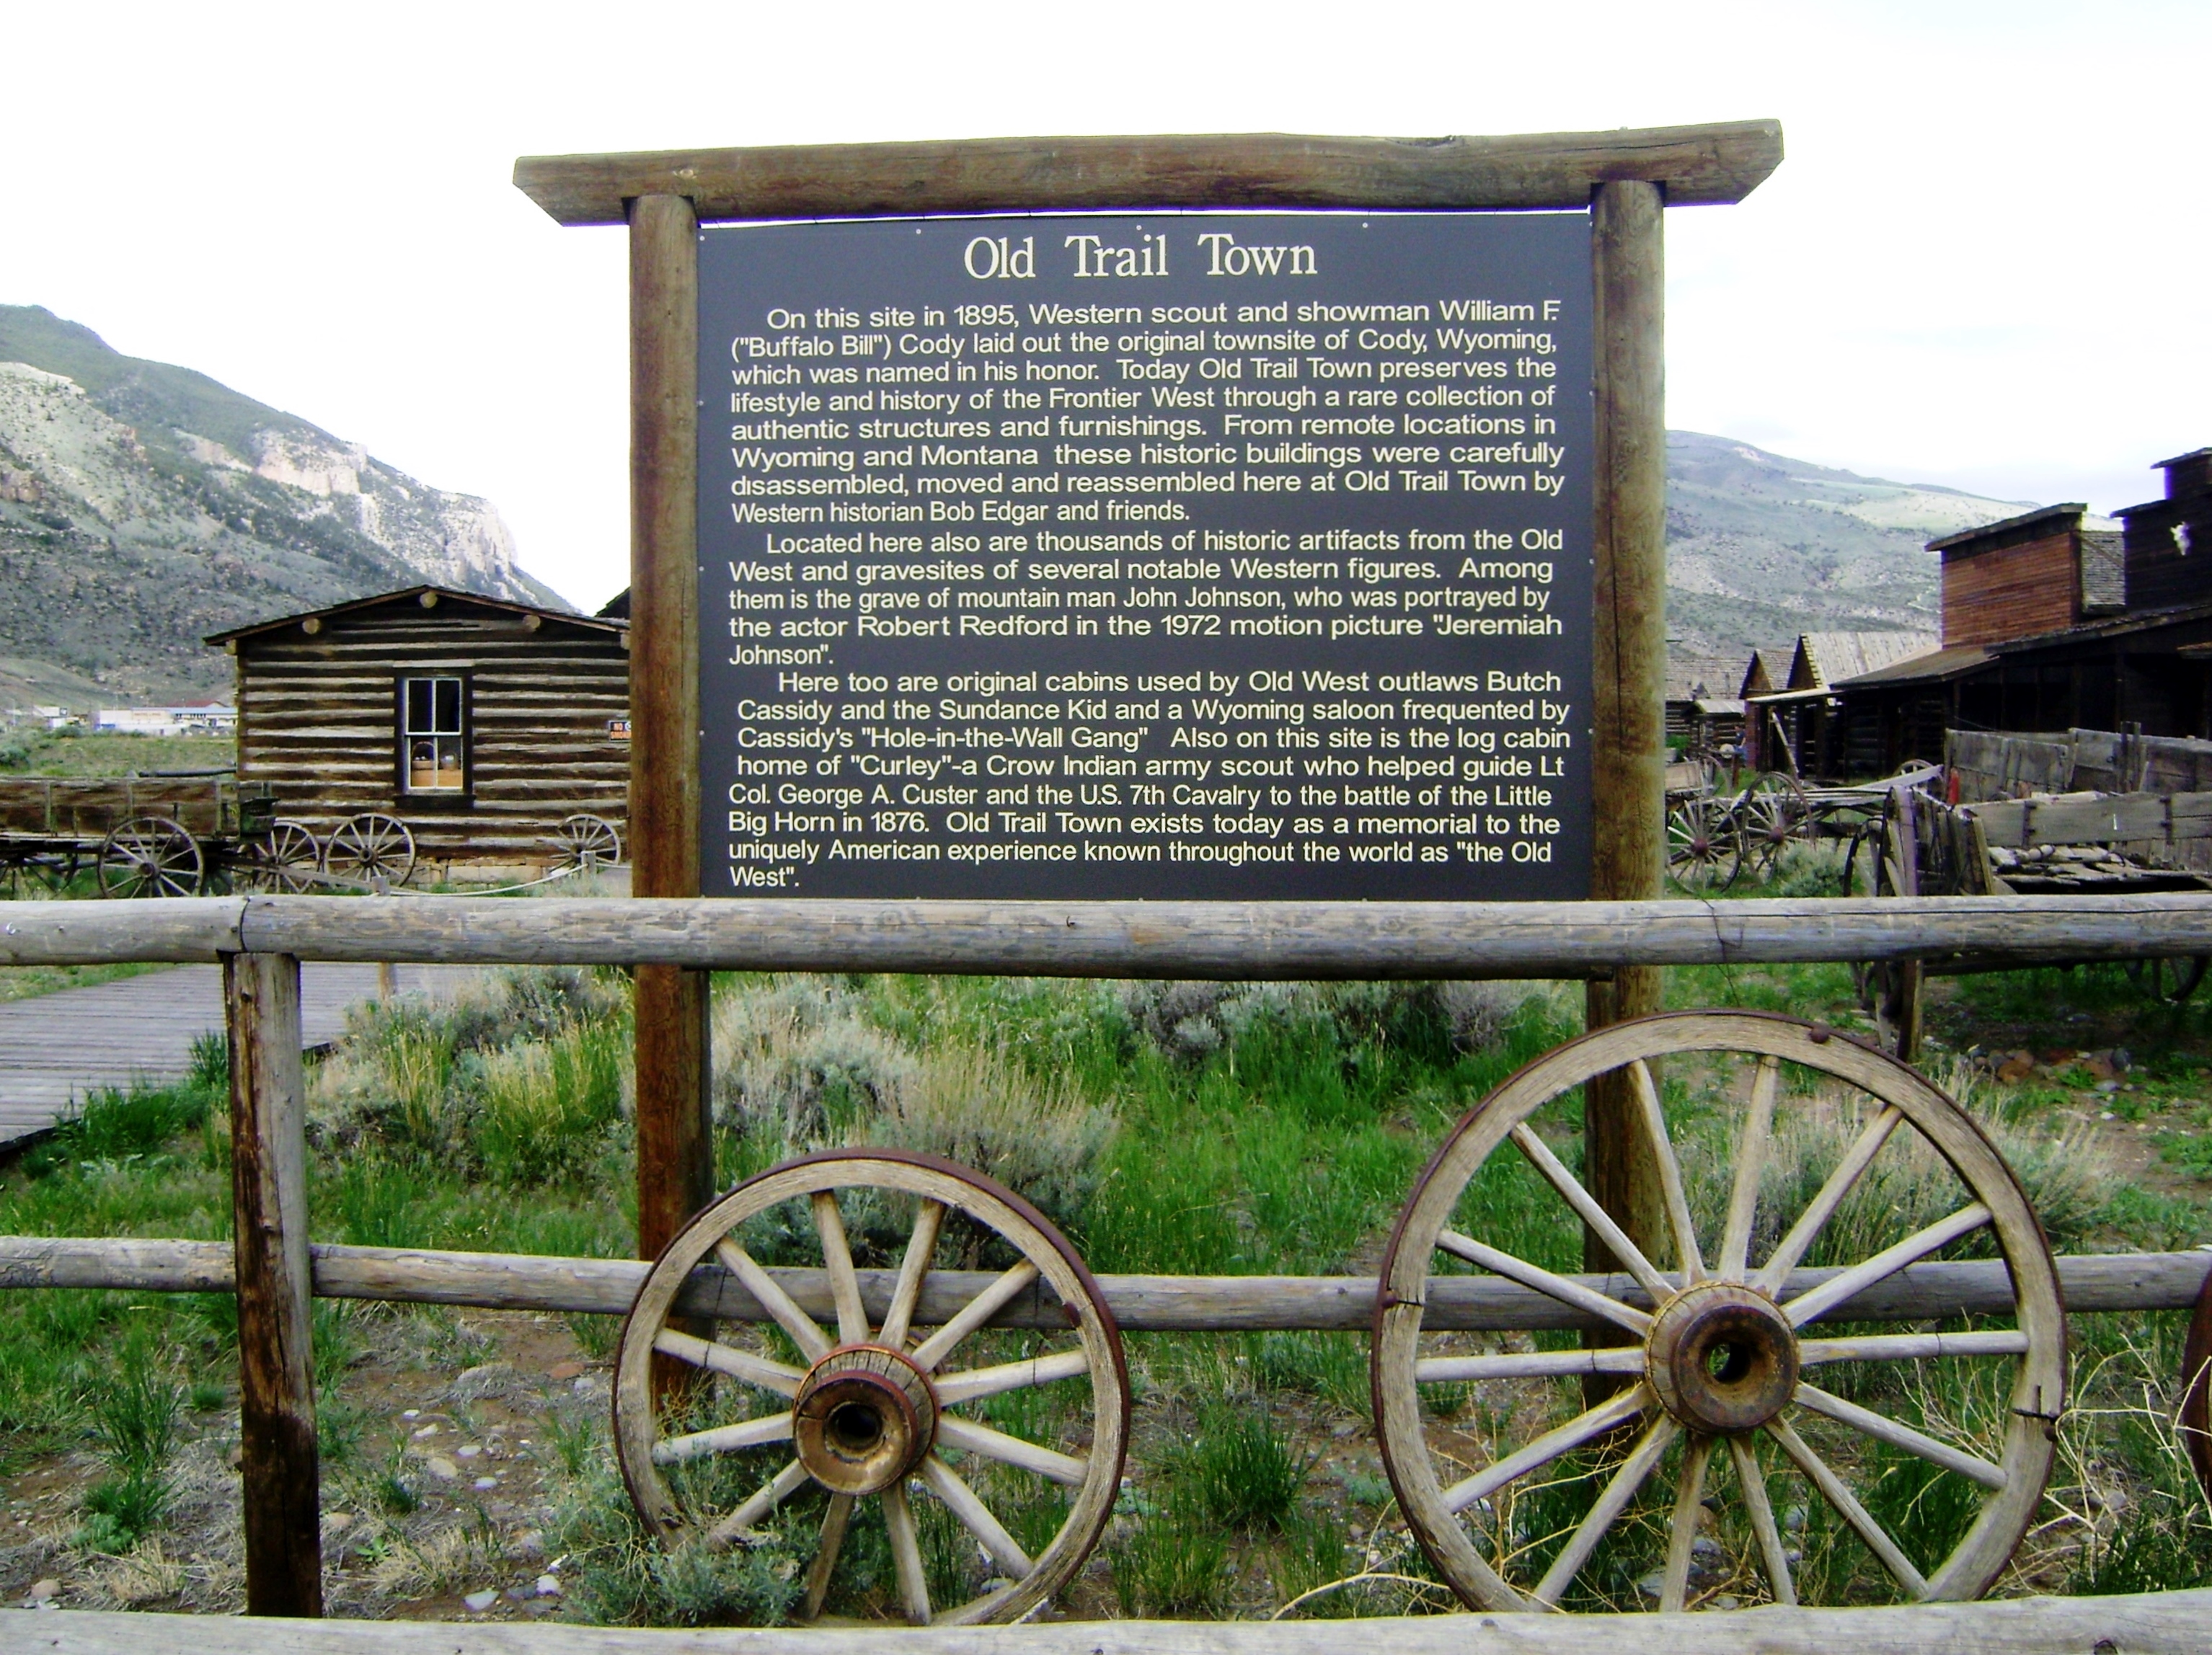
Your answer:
<point x="1771" y="815"/>
<point x="150" y="856"/>
<point x="286" y="859"/>
<point x="869" y="1410"/>
<point x="2196" y="1389"/>
<point x="1720" y="1365"/>
<point x="1890" y="990"/>
<point x="1699" y="842"/>
<point x="370" y="846"/>
<point x="2170" y="980"/>
<point x="587" y="841"/>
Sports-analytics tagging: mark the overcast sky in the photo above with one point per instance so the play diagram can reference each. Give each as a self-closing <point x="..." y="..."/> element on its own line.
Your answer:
<point x="1983" y="263"/>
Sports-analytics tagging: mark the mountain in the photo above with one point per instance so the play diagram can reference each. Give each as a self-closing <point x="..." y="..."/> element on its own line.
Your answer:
<point x="1760" y="547"/>
<point x="143" y="505"/>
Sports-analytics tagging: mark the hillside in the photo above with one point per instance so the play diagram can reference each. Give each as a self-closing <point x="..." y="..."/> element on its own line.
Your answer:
<point x="1760" y="547"/>
<point x="143" y="505"/>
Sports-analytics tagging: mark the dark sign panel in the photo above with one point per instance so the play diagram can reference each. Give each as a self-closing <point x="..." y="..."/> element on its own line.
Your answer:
<point x="1234" y="555"/>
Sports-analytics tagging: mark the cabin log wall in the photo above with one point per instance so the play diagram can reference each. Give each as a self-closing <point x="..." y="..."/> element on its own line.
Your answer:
<point x="318" y="721"/>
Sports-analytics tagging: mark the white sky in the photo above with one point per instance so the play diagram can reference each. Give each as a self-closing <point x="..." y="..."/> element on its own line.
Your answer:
<point x="1982" y="263"/>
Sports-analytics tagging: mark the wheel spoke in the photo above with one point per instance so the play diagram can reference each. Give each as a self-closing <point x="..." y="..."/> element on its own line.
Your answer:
<point x="953" y="1432"/>
<point x="1528" y="1365"/>
<point x="1010" y="1376"/>
<point x="728" y="1359"/>
<point x="906" y="1552"/>
<point x="1815" y="1217"/>
<point x="1689" y="1506"/>
<point x="723" y="1439"/>
<point x="812" y="1342"/>
<point x="1910" y="1346"/>
<point x="1614" y="1411"/>
<point x="1847" y="1505"/>
<point x="1841" y="1289"/>
<point x="976" y="1312"/>
<point x="920" y="1248"/>
<point x="975" y="1517"/>
<point x="1898" y="1434"/>
<point x="762" y="1500"/>
<point x="1536" y="1276"/>
<point x="1752" y="1482"/>
<point x="826" y="1554"/>
<point x="1586" y="1208"/>
<point x="1634" y="1472"/>
<point x="1691" y="1262"/>
<point x="837" y="1259"/>
<point x="1750" y="1166"/>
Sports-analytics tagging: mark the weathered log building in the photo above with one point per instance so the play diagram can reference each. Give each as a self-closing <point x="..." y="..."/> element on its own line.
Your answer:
<point x="483" y="725"/>
<point x="2051" y="622"/>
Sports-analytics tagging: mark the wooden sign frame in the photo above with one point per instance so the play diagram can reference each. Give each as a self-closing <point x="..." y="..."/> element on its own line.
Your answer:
<point x="1625" y="179"/>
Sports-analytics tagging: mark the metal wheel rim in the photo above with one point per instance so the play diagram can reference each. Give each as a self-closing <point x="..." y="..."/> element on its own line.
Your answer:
<point x="2039" y="1384"/>
<point x="150" y="857"/>
<point x="1040" y="1246"/>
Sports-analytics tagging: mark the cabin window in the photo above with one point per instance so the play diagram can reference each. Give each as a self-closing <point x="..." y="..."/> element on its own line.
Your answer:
<point x="432" y="735"/>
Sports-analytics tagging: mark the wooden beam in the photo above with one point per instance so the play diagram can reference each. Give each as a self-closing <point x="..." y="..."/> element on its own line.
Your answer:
<point x="1695" y="165"/>
<point x="1258" y="941"/>
<point x="281" y="1501"/>
<point x="2130" y="1282"/>
<point x="675" y="1162"/>
<point x="1628" y="744"/>
<point x="2157" y="1623"/>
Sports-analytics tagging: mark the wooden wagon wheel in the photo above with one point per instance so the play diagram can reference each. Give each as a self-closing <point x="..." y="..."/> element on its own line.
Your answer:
<point x="876" y="1407"/>
<point x="370" y="846"/>
<point x="1700" y="844"/>
<point x="1892" y="990"/>
<point x="587" y="841"/>
<point x="2170" y="980"/>
<point x="1720" y="1365"/>
<point x="286" y="859"/>
<point x="1770" y="815"/>
<point x="2196" y="1389"/>
<point x="150" y="856"/>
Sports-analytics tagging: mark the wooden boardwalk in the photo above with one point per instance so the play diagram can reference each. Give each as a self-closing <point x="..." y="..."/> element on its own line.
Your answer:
<point x="57" y="1048"/>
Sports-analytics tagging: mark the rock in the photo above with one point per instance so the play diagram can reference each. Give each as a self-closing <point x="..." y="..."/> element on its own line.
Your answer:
<point x="548" y="1586"/>
<point x="531" y="1544"/>
<point x="1705" y="1546"/>
<point x="43" y="1591"/>
<point x="467" y="1450"/>
<point x="589" y="1386"/>
<point x="338" y="1522"/>
<point x="1726" y="1601"/>
<point x="1794" y="1518"/>
<point x="479" y="1602"/>
<point x="1653" y="1585"/>
<point x="483" y="1482"/>
<point x="2015" y="1066"/>
<point x="485" y="1379"/>
<point x="442" y="1468"/>
<point x="561" y="1372"/>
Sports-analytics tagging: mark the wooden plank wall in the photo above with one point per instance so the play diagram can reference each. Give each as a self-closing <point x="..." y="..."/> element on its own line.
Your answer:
<point x="2007" y="592"/>
<point x="317" y="719"/>
<point x="86" y="807"/>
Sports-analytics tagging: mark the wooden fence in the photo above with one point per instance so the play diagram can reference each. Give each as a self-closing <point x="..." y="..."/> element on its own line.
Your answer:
<point x="275" y="1272"/>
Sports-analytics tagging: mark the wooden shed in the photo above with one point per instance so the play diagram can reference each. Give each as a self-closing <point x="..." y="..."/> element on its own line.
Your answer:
<point x="484" y="728"/>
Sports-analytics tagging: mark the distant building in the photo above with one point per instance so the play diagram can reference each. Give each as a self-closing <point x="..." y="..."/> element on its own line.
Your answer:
<point x="481" y="725"/>
<point x="2052" y="622"/>
<point x="192" y="718"/>
<point x="1790" y="727"/>
<point x="1704" y="705"/>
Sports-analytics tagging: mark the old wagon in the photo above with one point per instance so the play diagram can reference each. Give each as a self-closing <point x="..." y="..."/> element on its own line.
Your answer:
<point x="177" y="834"/>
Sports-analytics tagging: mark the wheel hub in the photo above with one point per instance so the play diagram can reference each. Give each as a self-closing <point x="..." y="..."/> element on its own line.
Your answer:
<point x="1723" y="1358"/>
<point x="862" y="1418"/>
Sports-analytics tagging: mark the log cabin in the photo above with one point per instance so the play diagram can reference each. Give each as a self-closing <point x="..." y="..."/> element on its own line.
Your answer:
<point x="484" y="726"/>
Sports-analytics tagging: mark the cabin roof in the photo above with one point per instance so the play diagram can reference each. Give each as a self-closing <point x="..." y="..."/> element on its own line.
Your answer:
<point x="593" y="623"/>
<point x="2051" y="516"/>
<point x="1931" y="668"/>
<point x="1827" y="657"/>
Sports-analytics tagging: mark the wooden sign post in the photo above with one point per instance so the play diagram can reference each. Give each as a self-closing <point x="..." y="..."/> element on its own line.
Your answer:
<point x="1624" y="178"/>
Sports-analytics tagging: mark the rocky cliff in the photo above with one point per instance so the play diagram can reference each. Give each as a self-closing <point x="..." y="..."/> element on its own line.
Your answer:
<point x="143" y="505"/>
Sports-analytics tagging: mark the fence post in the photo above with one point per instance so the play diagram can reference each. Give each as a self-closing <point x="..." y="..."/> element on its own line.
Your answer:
<point x="276" y="1356"/>
<point x="675" y="1160"/>
<point x="1628" y="711"/>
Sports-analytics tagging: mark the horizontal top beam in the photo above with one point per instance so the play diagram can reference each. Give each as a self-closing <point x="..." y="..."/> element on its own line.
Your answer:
<point x="1241" y="940"/>
<point x="1695" y="165"/>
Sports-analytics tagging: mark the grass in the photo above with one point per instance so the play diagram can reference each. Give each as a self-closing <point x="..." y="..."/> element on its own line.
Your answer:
<point x="1200" y="1128"/>
<point x="27" y="752"/>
